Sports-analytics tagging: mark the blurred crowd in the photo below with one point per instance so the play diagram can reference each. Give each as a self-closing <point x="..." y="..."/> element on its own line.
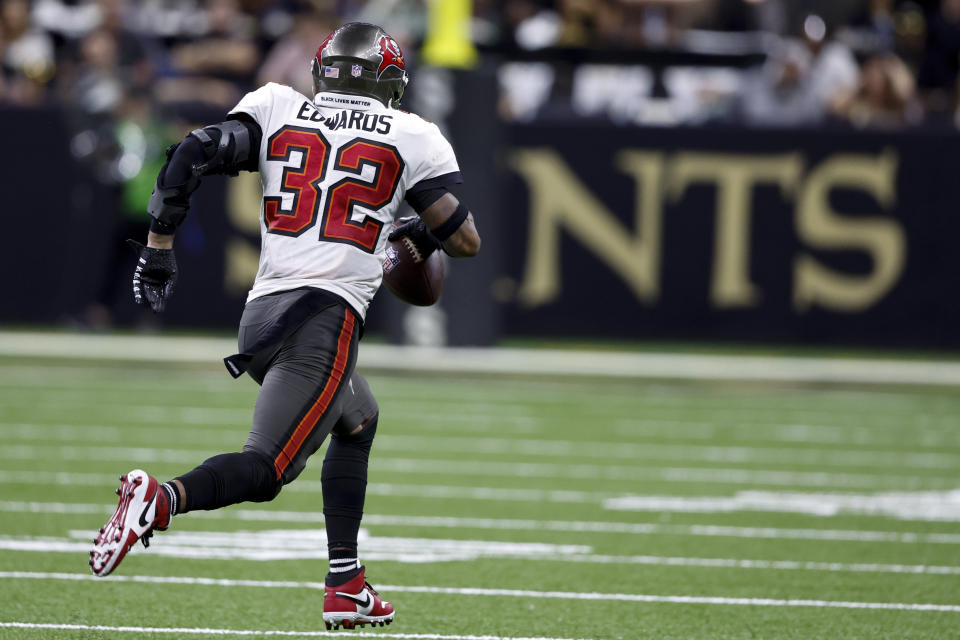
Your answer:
<point x="866" y="63"/>
<point x="860" y="63"/>
<point x="130" y="77"/>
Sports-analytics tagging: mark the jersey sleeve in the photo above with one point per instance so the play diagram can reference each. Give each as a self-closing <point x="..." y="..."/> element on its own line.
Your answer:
<point x="436" y="164"/>
<point x="258" y="104"/>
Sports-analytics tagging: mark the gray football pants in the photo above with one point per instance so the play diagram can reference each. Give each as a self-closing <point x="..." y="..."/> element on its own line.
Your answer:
<point x="308" y="384"/>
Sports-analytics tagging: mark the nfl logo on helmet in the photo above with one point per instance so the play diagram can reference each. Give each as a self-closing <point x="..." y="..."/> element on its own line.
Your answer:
<point x="356" y="70"/>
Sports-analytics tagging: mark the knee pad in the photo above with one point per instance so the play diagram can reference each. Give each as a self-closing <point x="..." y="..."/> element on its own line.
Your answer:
<point x="363" y="439"/>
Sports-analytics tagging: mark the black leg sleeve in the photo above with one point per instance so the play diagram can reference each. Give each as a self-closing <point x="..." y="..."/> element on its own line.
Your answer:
<point x="228" y="479"/>
<point x="345" y="485"/>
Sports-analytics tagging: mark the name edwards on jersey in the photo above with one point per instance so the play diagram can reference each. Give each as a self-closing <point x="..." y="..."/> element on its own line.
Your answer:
<point x="326" y="209"/>
<point x="369" y="122"/>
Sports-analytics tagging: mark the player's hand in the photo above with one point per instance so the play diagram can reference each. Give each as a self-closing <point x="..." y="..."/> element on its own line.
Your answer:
<point x="154" y="277"/>
<point x="414" y="228"/>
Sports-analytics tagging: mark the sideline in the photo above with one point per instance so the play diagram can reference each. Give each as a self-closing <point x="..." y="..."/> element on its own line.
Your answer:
<point x="543" y="362"/>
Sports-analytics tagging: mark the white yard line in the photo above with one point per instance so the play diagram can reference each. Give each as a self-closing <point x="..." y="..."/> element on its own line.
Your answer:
<point x="889" y="406"/>
<point x="425" y="491"/>
<point x="515" y="593"/>
<point x="305" y="544"/>
<point x="302" y="544"/>
<point x="862" y="428"/>
<point x="573" y="526"/>
<point x="422" y="466"/>
<point x="929" y="506"/>
<point x="149" y="414"/>
<point x="885" y="410"/>
<point x="888" y="480"/>
<point x="501" y="360"/>
<point x="18" y="391"/>
<point x="820" y="479"/>
<point x="673" y="452"/>
<point x="860" y="437"/>
<point x="533" y="447"/>
<point x="770" y="565"/>
<point x="672" y="475"/>
<point x="207" y="631"/>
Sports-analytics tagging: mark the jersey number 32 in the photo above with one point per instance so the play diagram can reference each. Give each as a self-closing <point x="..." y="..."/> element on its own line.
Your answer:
<point x="303" y="182"/>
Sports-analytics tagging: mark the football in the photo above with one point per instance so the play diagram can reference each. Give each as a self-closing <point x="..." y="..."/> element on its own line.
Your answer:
<point x="408" y="275"/>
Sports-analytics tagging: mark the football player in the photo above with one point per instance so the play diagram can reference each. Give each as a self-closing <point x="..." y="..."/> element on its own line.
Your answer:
<point x="334" y="170"/>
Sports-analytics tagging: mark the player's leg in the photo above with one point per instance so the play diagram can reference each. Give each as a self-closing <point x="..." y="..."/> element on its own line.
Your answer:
<point x="296" y="409"/>
<point x="344" y="477"/>
<point x="349" y="599"/>
<point x="303" y="381"/>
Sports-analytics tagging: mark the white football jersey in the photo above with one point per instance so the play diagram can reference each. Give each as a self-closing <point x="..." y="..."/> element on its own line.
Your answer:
<point x="334" y="171"/>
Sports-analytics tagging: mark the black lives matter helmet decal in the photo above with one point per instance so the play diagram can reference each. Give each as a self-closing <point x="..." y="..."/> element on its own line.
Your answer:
<point x="361" y="59"/>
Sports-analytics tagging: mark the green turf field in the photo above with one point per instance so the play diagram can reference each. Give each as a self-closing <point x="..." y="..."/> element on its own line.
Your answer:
<point x="499" y="507"/>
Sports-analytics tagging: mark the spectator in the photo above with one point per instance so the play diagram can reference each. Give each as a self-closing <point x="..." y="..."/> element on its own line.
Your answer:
<point x="287" y="62"/>
<point x="227" y="50"/>
<point x="589" y="23"/>
<point x="941" y="59"/>
<point x="874" y="27"/>
<point x="27" y="55"/>
<point x="71" y="20"/>
<point x="885" y="97"/>
<point x="96" y="84"/>
<point x="217" y="69"/>
<point x="801" y="80"/>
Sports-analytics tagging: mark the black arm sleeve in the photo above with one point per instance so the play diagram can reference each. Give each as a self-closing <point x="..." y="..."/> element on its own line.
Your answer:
<point x="201" y="153"/>
<point x="425" y="193"/>
<point x="179" y="167"/>
<point x="191" y="153"/>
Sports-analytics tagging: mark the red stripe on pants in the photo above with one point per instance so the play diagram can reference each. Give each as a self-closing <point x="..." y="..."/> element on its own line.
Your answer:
<point x="309" y="421"/>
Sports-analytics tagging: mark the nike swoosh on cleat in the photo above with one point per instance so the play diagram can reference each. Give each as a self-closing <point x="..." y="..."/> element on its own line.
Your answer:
<point x="143" y="515"/>
<point x="365" y="602"/>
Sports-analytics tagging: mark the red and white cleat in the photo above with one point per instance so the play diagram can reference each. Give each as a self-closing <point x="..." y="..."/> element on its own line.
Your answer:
<point x="355" y="604"/>
<point x="143" y="507"/>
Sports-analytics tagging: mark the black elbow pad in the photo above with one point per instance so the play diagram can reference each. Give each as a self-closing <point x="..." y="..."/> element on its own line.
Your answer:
<point x="227" y="147"/>
<point x="169" y="204"/>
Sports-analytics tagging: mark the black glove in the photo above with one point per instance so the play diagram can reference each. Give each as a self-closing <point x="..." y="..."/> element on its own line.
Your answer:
<point x="414" y="228"/>
<point x="154" y="277"/>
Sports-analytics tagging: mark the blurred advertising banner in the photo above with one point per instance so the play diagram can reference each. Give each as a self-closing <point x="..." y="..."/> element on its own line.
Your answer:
<point x="811" y="236"/>
<point x="590" y="230"/>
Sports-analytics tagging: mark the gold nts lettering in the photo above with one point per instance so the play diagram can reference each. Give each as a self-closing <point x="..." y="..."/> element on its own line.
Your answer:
<point x="735" y="177"/>
<point x="820" y="227"/>
<point x="560" y="202"/>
